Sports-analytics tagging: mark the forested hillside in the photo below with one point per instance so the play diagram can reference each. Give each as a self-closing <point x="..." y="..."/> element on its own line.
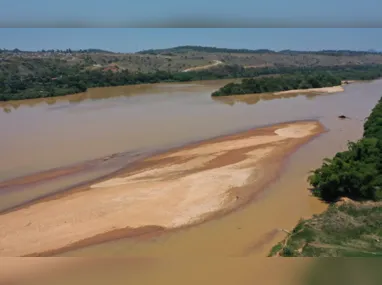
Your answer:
<point x="47" y="73"/>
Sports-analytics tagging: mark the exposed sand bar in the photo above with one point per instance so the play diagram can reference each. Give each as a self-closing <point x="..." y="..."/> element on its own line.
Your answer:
<point x="257" y="97"/>
<point x="169" y="190"/>
<point x="332" y="89"/>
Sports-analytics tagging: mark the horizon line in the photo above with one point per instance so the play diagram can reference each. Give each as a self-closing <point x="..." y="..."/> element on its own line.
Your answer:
<point x="248" y="50"/>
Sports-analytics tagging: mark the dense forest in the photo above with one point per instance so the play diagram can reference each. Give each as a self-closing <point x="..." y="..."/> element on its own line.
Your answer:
<point x="357" y="172"/>
<point x="57" y="78"/>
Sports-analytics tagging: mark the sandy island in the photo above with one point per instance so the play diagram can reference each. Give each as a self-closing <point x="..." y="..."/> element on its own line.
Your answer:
<point x="165" y="191"/>
<point x="332" y="89"/>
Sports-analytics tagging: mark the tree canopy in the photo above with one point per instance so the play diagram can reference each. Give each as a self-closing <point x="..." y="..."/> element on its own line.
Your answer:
<point x="279" y="83"/>
<point x="357" y="172"/>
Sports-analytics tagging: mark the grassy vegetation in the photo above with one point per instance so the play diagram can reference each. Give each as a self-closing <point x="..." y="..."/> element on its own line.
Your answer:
<point x="347" y="230"/>
<point x="352" y="228"/>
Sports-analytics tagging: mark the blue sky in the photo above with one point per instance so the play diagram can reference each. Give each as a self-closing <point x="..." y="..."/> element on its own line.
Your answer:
<point x="152" y="13"/>
<point x="135" y="39"/>
<point x="240" y="14"/>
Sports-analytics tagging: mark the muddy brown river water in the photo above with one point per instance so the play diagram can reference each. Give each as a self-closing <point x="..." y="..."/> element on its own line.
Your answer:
<point x="38" y="135"/>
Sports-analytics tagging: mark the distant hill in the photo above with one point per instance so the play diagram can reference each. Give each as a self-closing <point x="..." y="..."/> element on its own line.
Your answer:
<point x="184" y="49"/>
<point x="331" y="52"/>
<point x="179" y="59"/>
<point x="95" y="50"/>
<point x="205" y="49"/>
<point x="90" y="50"/>
<point x="344" y="52"/>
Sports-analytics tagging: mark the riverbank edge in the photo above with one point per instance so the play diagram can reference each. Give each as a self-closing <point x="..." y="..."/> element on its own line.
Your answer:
<point x="342" y="202"/>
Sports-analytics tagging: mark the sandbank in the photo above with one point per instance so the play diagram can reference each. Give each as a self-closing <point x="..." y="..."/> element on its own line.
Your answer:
<point x="332" y="89"/>
<point x="166" y="191"/>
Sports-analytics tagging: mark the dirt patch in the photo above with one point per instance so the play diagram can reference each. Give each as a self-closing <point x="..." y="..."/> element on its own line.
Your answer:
<point x="215" y="63"/>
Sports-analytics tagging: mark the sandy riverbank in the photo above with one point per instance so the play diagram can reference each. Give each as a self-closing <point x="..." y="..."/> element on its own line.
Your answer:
<point x="332" y="89"/>
<point x="169" y="190"/>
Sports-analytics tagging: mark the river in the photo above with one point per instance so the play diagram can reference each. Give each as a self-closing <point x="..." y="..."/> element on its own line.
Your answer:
<point x="41" y="134"/>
